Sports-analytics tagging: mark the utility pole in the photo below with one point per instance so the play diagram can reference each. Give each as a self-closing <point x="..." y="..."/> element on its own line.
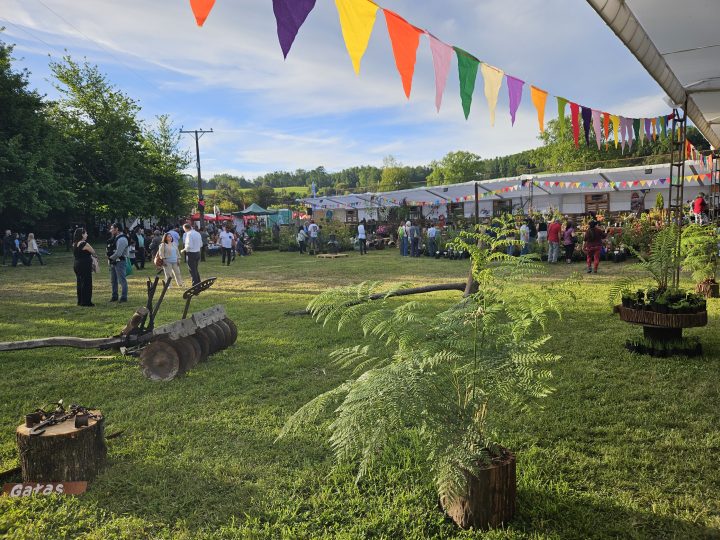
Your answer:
<point x="201" y="199"/>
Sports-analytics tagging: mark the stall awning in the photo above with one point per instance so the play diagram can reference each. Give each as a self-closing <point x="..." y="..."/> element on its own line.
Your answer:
<point x="678" y="44"/>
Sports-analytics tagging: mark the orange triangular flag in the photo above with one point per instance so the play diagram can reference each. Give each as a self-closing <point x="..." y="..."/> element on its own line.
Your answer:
<point x="538" y="98"/>
<point x="201" y="9"/>
<point x="405" y="39"/>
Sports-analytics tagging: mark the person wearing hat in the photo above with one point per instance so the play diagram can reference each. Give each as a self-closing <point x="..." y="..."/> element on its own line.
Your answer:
<point x="699" y="208"/>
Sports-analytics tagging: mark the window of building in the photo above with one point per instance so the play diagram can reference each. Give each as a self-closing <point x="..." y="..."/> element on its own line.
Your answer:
<point x="597" y="203"/>
<point x="351" y="216"/>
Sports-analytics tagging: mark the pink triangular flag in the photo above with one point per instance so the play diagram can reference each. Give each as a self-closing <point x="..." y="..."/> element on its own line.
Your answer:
<point x="597" y="126"/>
<point x="442" y="55"/>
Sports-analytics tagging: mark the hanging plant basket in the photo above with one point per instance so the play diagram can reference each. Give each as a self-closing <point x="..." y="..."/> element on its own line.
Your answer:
<point x="490" y="497"/>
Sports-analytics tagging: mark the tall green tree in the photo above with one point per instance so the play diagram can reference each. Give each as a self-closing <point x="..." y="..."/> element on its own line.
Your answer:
<point x="456" y="167"/>
<point x="394" y="176"/>
<point x="33" y="177"/>
<point x="168" y="193"/>
<point x="103" y="136"/>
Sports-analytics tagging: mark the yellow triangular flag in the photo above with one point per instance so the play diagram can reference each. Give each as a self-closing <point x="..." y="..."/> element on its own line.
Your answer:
<point x="616" y="122"/>
<point x="357" y="18"/>
<point x="493" y="80"/>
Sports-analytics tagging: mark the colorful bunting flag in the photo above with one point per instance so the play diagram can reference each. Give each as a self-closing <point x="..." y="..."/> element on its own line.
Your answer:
<point x="606" y="128"/>
<point x="623" y="132"/>
<point x="539" y="98"/>
<point x="201" y="9"/>
<point x="561" y="102"/>
<point x="586" y="118"/>
<point x="441" y="54"/>
<point x="636" y="128"/>
<point x="405" y="39"/>
<point x="493" y="80"/>
<point x="648" y="135"/>
<point x="514" y="95"/>
<point x="290" y="16"/>
<point x="357" y="18"/>
<point x="467" y="70"/>
<point x="616" y="123"/>
<point x="653" y="122"/>
<point x="642" y="133"/>
<point x="597" y="126"/>
<point x="663" y="125"/>
<point x="574" y="117"/>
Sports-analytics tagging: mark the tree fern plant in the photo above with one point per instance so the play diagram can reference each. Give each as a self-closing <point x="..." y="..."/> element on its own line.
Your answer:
<point x="443" y="373"/>
<point x="700" y="252"/>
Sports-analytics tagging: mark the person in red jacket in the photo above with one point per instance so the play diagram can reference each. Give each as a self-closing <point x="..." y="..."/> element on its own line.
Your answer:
<point x="700" y="208"/>
<point x="594" y="237"/>
<point x="553" y="236"/>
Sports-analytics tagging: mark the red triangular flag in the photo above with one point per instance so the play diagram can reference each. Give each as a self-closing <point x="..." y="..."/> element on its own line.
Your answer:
<point x="405" y="39"/>
<point x="201" y="9"/>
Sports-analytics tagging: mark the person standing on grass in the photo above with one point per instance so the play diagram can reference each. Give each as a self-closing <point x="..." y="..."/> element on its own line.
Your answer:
<point x="594" y="237"/>
<point x="301" y="238"/>
<point x="83" y="253"/>
<point x="155" y="243"/>
<point x="205" y="240"/>
<point x="414" y="240"/>
<point x="170" y="256"/>
<point x="33" y="250"/>
<point x="192" y="242"/>
<point x="569" y="241"/>
<point x="117" y="251"/>
<point x="525" y="238"/>
<point x="431" y="234"/>
<point x="362" y="236"/>
<point x="402" y="240"/>
<point x="542" y="234"/>
<point x="553" y="236"/>
<point x="314" y="232"/>
<point x="139" y="249"/>
<point x="226" y="242"/>
<point x="8" y="246"/>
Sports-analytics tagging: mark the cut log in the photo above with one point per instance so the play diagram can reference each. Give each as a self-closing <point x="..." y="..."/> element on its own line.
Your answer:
<point x="490" y="497"/>
<point x="400" y="292"/>
<point x="63" y="453"/>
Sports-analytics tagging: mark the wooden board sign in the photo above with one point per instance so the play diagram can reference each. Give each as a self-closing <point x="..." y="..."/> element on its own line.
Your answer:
<point x="47" y="488"/>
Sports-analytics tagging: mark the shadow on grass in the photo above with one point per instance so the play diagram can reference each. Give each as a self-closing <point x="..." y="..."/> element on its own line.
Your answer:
<point x="568" y="515"/>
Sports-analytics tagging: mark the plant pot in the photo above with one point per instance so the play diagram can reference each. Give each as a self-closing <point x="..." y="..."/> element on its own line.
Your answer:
<point x="490" y="497"/>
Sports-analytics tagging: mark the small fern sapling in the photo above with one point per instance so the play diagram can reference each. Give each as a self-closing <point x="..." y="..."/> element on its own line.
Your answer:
<point x="442" y="373"/>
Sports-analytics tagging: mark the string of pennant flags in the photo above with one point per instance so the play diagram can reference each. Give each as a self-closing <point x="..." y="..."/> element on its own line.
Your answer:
<point x="357" y="20"/>
<point x="525" y="184"/>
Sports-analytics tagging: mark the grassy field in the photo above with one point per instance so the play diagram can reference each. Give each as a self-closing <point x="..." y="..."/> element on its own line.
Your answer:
<point x="627" y="447"/>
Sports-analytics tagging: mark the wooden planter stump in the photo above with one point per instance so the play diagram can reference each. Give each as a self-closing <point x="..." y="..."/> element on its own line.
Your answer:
<point x="63" y="453"/>
<point x="490" y="497"/>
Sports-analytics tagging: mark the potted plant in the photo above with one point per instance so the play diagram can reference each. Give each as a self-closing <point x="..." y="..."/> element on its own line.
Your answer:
<point x="443" y="374"/>
<point x="699" y="245"/>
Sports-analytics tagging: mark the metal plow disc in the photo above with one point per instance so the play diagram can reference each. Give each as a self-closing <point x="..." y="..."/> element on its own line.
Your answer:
<point x="159" y="361"/>
<point x="203" y="339"/>
<point x="233" y="330"/>
<point x="197" y="351"/>
<point x="185" y="352"/>
<point x="227" y="333"/>
<point x="217" y="338"/>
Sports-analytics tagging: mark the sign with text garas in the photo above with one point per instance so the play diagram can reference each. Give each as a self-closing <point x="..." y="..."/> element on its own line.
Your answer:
<point x="47" y="488"/>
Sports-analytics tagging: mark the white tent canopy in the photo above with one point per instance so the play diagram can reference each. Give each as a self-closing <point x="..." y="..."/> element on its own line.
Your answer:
<point x="596" y="181"/>
<point x="677" y="43"/>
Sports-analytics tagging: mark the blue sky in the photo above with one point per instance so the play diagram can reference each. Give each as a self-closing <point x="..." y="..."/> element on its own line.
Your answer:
<point x="272" y="114"/>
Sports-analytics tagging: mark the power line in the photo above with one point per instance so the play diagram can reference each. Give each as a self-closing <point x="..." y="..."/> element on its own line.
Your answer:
<point x="109" y="51"/>
<point x="22" y="29"/>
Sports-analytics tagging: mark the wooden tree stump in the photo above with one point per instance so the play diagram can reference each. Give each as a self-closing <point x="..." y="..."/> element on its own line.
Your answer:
<point x="490" y="499"/>
<point x="62" y="453"/>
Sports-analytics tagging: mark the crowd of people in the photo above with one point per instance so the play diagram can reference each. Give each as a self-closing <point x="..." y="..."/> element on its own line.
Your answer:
<point x="21" y="249"/>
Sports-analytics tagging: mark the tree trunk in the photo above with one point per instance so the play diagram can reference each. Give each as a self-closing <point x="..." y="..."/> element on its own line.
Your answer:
<point x="471" y="286"/>
<point x="490" y="498"/>
<point x="62" y="453"/>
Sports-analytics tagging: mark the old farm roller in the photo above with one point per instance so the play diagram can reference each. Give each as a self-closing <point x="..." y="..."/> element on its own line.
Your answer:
<point x="164" y="351"/>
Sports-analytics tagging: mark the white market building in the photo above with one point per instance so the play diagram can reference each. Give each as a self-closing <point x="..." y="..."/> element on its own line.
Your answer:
<point x="618" y="190"/>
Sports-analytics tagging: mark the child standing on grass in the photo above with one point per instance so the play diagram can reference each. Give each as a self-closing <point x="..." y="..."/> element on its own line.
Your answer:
<point x="594" y="237"/>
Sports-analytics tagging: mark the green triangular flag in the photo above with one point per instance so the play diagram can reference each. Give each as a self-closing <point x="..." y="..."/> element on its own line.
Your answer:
<point x="636" y="129"/>
<point x="467" y="68"/>
<point x="561" y="101"/>
<point x="661" y="119"/>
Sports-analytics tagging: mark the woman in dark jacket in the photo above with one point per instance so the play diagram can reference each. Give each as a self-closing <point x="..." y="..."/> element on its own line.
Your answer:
<point x="83" y="253"/>
<point x="594" y="237"/>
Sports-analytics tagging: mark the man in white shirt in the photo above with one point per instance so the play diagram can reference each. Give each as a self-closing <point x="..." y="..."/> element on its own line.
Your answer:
<point x="226" y="242"/>
<point x="193" y="245"/>
<point x="313" y="230"/>
<point x="431" y="234"/>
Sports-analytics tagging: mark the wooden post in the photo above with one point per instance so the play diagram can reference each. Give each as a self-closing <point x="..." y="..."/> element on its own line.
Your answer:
<point x="62" y="453"/>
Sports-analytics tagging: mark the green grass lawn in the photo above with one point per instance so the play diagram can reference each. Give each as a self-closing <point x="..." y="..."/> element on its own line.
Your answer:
<point x="627" y="447"/>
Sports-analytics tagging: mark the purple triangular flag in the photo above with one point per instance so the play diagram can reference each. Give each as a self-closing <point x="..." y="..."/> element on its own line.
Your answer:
<point x="290" y="16"/>
<point x="515" y="93"/>
<point x="586" y="113"/>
